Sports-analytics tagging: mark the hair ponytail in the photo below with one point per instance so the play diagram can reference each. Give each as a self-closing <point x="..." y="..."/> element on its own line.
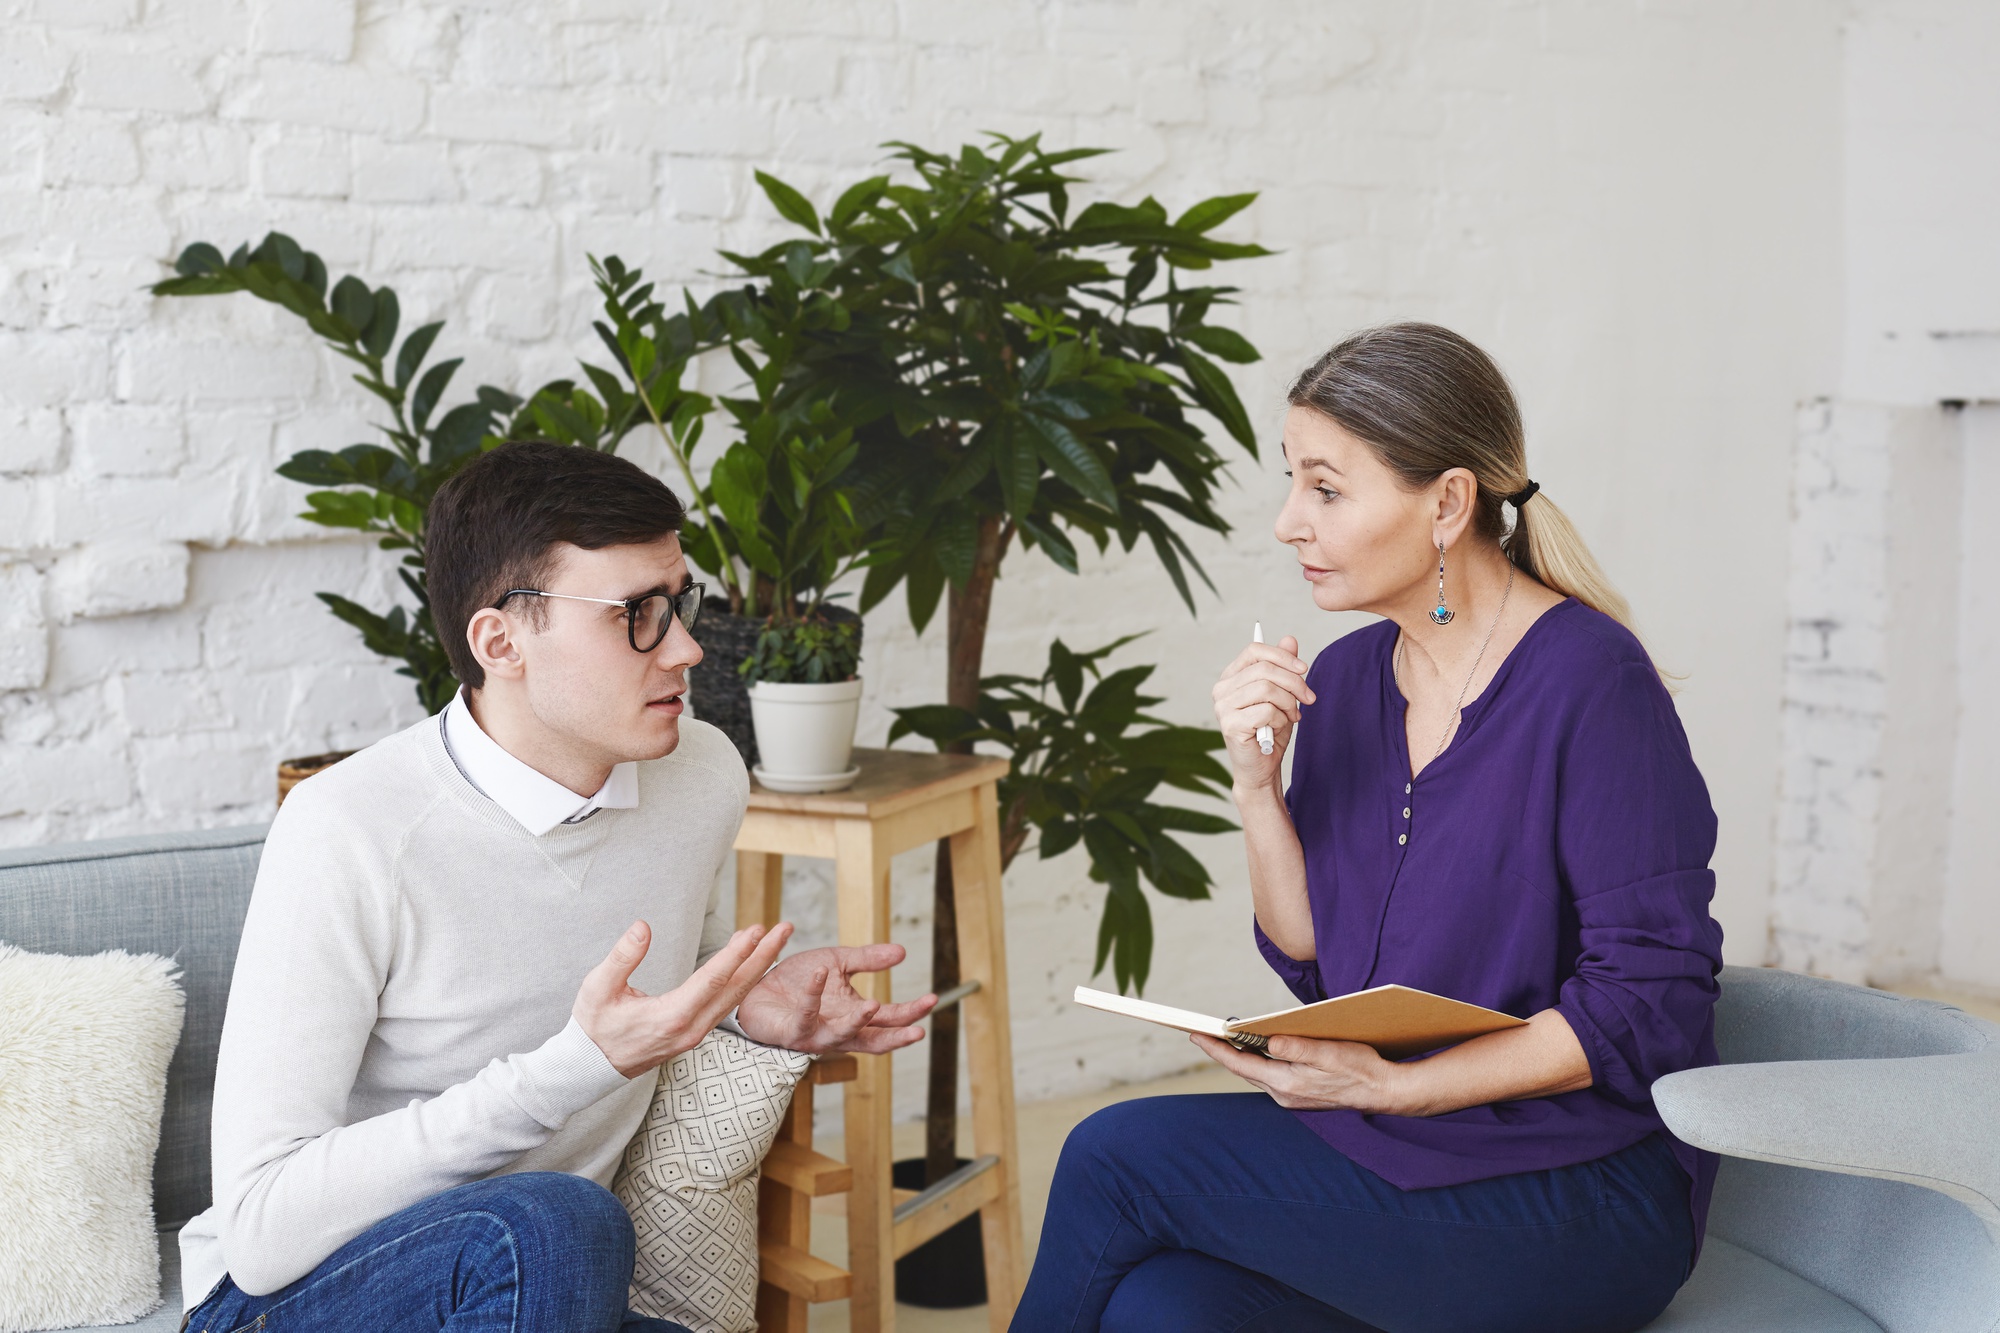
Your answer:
<point x="1547" y="546"/>
<point x="1427" y="400"/>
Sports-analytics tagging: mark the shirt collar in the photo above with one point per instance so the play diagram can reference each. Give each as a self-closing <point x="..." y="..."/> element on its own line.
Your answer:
<point x="536" y="801"/>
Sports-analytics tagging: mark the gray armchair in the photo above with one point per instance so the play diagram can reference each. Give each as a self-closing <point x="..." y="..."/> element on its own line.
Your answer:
<point x="1860" y="1189"/>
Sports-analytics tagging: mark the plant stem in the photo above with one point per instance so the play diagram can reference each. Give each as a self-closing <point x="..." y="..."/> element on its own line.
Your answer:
<point x="967" y="611"/>
<point x="728" y="570"/>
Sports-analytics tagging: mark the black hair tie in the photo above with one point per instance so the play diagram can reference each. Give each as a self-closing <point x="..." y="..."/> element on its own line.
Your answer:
<point x="1525" y="494"/>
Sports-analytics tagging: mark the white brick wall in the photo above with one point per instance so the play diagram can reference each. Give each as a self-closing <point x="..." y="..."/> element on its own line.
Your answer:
<point x="1657" y="269"/>
<point x="1870" y="708"/>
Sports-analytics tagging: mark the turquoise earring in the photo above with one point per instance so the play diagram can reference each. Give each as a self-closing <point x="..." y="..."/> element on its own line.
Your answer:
<point x="1442" y="614"/>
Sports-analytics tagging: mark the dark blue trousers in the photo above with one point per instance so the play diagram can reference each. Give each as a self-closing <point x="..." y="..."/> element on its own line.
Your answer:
<point x="1224" y="1214"/>
<point x="536" y="1252"/>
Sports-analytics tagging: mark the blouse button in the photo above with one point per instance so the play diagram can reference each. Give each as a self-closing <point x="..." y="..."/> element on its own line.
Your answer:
<point x="1406" y="812"/>
<point x="1406" y="789"/>
<point x="1402" y="838"/>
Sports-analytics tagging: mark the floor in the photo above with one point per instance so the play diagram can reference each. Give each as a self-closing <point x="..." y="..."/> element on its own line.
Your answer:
<point x="1043" y="1127"/>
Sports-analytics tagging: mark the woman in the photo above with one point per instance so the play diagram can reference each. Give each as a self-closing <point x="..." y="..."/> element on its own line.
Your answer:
<point x="1492" y="799"/>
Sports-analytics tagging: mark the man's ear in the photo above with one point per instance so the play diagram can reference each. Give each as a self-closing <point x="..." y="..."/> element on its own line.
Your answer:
<point x="490" y="634"/>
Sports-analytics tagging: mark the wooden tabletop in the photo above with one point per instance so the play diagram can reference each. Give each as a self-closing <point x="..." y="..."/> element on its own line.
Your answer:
<point x="891" y="780"/>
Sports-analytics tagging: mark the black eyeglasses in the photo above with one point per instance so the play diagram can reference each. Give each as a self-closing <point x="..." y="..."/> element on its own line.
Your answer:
<point x="647" y="618"/>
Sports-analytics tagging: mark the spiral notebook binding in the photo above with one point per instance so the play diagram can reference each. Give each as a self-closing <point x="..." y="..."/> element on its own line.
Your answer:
<point x="1246" y="1041"/>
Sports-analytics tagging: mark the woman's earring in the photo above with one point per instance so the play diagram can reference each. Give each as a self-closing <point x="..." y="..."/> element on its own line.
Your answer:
<point x="1442" y="615"/>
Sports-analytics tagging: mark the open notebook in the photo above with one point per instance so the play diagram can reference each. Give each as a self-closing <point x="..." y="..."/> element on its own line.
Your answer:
<point x="1396" y="1020"/>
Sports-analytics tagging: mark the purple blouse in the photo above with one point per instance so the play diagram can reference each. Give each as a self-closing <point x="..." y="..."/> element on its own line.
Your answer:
<point x="1556" y="855"/>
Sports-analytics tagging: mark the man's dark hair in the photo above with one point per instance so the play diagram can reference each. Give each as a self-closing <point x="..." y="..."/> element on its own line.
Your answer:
<point x="495" y="525"/>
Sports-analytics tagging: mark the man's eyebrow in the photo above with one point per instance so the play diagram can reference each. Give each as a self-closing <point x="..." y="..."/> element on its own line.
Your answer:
<point x="687" y="582"/>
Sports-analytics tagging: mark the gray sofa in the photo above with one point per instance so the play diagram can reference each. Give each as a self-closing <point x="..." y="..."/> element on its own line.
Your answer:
<point x="1861" y="1195"/>
<point x="182" y="894"/>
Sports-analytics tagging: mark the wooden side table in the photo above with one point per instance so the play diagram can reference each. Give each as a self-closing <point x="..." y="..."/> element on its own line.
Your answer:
<point x="902" y="800"/>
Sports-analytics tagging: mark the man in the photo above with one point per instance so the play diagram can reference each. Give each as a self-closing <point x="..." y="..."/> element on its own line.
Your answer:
<point x="417" y="1106"/>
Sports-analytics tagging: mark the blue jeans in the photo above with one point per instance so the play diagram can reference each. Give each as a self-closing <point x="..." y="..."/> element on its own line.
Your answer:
<point x="1224" y="1214"/>
<point x="538" y="1252"/>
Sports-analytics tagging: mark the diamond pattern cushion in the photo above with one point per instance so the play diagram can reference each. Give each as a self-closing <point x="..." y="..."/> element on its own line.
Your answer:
<point x="689" y="1179"/>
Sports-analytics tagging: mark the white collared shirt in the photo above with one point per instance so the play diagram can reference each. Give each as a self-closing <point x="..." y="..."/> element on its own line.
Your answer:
<point x="536" y="801"/>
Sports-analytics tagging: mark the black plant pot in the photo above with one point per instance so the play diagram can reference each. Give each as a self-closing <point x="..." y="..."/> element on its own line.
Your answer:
<point x="720" y="696"/>
<point x="948" y="1271"/>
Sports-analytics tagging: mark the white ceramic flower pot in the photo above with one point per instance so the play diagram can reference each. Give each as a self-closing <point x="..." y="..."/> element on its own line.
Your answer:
<point x="805" y="734"/>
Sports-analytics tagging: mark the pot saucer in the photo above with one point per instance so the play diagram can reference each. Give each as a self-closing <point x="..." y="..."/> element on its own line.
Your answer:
<point x="805" y="786"/>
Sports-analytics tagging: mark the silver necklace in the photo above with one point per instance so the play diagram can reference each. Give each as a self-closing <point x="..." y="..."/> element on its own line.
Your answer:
<point x="1451" y="722"/>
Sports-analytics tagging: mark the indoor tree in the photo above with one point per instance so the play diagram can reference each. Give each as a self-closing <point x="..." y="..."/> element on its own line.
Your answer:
<point x="1015" y="373"/>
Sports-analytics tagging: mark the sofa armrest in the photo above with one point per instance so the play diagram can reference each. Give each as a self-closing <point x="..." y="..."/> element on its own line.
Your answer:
<point x="1927" y="1120"/>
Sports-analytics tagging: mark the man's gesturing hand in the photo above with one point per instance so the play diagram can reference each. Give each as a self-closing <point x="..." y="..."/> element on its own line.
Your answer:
<point x="637" y="1031"/>
<point x="807" y="1003"/>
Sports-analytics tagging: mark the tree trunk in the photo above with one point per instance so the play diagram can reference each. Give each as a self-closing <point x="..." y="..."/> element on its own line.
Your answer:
<point x="967" y="610"/>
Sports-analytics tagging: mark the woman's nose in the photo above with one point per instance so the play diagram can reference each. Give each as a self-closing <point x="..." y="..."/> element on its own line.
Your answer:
<point x="1290" y="527"/>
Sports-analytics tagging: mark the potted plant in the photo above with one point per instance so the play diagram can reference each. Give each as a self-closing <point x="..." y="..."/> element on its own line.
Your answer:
<point x="386" y="488"/>
<point x="805" y="696"/>
<point x="1015" y="374"/>
<point x="781" y="493"/>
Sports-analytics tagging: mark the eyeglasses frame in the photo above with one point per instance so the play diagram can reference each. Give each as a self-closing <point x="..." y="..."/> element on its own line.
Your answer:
<point x="689" y="596"/>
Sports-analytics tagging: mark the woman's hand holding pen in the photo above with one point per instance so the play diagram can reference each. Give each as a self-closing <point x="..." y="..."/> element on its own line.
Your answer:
<point x="1264" y="687"/>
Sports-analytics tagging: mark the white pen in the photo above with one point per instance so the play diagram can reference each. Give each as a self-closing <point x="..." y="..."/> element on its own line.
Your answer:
<point x="1264" y="744"/>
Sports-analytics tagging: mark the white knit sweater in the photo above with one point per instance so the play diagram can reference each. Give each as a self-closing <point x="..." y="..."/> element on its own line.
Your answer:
<point x="399" y="1020"/>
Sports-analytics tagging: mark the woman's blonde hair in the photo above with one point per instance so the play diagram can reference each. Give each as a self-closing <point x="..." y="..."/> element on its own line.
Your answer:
<point x="1427" y="400"/>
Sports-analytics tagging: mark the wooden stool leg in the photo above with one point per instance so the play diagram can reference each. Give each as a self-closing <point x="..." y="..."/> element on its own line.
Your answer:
<point x="861" y="879"/>
<point x="784" y="1215"/>
<point x="982" y="953"/>
<point x="760" y="888"/>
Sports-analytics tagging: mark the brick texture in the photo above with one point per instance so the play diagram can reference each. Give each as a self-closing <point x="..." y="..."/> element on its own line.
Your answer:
<point x="1535" y="173"/>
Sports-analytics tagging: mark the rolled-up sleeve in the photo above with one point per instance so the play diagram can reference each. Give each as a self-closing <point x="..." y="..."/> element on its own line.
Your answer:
<point x="1302" y="979"/>
<point x="1635" y="832"/>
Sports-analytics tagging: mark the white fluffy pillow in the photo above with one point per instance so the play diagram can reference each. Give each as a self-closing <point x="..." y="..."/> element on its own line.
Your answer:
<point x="84" y="1046"/>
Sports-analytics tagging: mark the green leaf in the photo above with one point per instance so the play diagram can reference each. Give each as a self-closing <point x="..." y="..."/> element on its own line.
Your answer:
<point x="791" y="205"/>
<point x="1052" y="542"/>
<point x="1225" y="343"/>
<point x="1212" y="213"/>
<point x="1020" y="468"/>
<point x="955" y="541"/>
<point x="1065" y="673"/>
<point x="1190" y="821"/>
<point x="380" y="334"/>
<point x="1074" y="461"/>
<point x="922" y="587"/>
<point x="940" y="724"/>
<point x="1215" y="393"/>
<point x="854" y="199"/>
<point x="354" y="304"/>
<point x="456" y="436"/>
<point x="1058" y="836"/>
<point x="431" y="388"/>
<point x="199" y="259"/>
<point x="1126" y="935"/>
<point x="341" y="509"/>
<point x="415" y="348"/>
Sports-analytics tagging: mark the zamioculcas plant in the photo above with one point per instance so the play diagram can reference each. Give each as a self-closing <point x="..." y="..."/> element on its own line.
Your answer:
<point x="1014" y="373"/>
<point x="387" y="488"/>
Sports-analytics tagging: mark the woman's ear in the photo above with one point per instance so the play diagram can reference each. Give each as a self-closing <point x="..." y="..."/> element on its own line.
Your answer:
<point x="1457" y="494"/>
<point x="490" y="635"/>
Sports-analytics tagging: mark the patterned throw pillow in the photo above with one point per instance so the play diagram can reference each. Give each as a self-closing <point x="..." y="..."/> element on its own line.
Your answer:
<point x="689" y="1179"/>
